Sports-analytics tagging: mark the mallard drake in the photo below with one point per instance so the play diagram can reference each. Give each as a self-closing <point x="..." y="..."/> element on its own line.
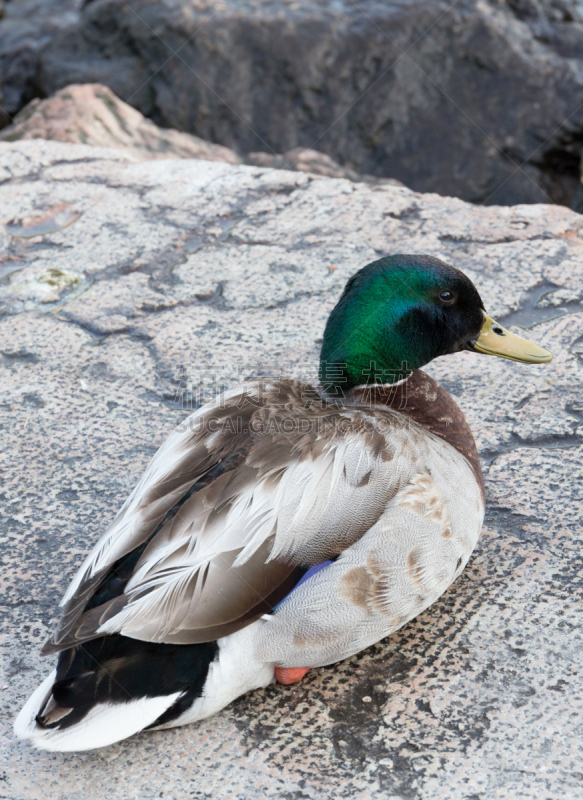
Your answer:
<point x="283" y="526"/>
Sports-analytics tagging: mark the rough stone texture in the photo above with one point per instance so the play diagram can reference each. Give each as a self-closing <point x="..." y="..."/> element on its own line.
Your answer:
<point x="480" y="99"/>
<point x="91" y="114"/>
<point x="174" y="275"/>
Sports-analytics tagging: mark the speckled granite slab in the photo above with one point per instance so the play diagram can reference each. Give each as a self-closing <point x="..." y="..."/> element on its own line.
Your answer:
<point x="128" y="293"/>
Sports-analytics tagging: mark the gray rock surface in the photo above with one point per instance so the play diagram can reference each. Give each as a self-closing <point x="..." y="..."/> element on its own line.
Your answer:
<point x="480" y="99"/>
<point x="175" y="275"/>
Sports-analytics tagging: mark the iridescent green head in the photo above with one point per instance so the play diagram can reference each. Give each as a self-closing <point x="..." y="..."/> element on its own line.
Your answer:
<point x="399" y="313"/>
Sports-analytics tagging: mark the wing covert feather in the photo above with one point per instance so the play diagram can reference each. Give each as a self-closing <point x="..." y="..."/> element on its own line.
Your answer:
<point x="398" y="568"/>
<point x="300" y="494"/>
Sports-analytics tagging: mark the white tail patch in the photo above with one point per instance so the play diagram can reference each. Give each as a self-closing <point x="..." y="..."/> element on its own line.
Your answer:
<point x="233" y="673"/>
<point x="105" y="724"/>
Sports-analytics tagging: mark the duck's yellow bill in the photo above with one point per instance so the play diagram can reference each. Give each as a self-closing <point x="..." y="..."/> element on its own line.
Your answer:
<point x="498" y="341"/>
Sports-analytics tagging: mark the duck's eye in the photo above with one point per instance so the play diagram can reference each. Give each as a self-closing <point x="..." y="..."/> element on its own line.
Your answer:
<point x="447" y="297"/>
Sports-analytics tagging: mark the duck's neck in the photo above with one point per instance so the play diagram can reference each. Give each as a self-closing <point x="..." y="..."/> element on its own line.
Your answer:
<point x="424" y="401"/>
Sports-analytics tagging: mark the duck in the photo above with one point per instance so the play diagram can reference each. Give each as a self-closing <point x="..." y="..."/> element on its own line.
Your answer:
<point x="284" y="525"/>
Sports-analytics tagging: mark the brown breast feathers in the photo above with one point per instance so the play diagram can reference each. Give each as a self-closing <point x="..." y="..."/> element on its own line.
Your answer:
<point x="423" y="400"/>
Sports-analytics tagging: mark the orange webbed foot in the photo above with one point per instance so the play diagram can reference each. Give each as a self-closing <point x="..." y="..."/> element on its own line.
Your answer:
<point x="287" y="675"/>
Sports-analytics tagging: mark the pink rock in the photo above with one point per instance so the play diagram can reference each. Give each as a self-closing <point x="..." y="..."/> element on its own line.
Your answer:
<point x="92" y="114"/>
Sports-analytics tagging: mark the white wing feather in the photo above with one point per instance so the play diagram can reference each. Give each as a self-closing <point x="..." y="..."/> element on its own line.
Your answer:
<point x="301" y="509"/>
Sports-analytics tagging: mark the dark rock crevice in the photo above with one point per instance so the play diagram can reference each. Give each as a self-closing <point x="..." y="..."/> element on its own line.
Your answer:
<point x="530" y="312"/>
<point x="515" y="442"/>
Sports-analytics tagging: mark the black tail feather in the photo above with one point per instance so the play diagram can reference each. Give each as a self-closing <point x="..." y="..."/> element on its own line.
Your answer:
<point x="117" y="669"/>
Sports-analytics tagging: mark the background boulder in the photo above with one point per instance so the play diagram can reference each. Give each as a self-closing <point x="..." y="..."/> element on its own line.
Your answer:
<point x="92" y="114"/>
<point x="480" y="99"/>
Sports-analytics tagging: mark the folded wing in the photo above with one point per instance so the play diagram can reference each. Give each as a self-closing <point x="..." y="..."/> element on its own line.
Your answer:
<point x="241" y="498"/>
